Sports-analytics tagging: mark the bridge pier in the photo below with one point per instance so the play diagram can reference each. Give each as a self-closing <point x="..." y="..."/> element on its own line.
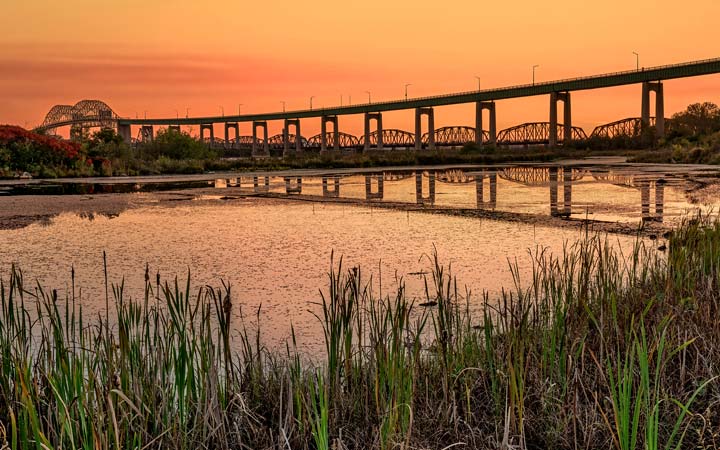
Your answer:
<point x="335" y="192"/>
<point x="211" y="129"/>
<point x="147" y="133"/>
<point x="293" y="188"/>
<point x="369" y="193"/>
<point x="567" y="118"/>
<point x="657" y="87"/>
<point x="125" y="133"/>
<point x="231" y="126"/>
<point x="420" y="198"/>
<point x="480" y="190"/>
<point x="379" y="127"/>
<point x="266" y="146"/>
<point x="257" y="187"/>
<point x="479" y="107"/>
<point x="430" y="113"/>
<point x="286" y="137"/>
<point x="323" y="133"/>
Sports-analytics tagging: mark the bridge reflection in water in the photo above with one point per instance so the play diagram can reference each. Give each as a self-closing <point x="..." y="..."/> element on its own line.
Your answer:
<point x="458" y="187"/>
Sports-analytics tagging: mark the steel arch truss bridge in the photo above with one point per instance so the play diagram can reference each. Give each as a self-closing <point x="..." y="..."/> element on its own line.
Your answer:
<point x="631" y="127"/>
<point x="82" y="115"/>
<point x="535" y="176"/>
<point x="454" y="136"/>
<point x="392" y="138"/>
<point x="346" y="140"/>
<point x="535" y="133"/>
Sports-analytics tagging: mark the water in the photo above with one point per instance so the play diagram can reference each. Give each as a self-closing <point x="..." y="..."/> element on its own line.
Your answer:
<point x="276" y="251"/>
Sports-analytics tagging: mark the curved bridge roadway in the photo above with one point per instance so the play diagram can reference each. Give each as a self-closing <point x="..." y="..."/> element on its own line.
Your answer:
<point x="651" y="79"/>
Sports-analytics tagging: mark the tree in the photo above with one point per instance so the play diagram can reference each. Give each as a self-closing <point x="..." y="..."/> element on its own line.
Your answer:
<point x="697" y="119"/>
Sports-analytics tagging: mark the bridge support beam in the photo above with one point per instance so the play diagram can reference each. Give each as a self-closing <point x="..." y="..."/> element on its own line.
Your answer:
<point x="567" y="118"/>
<point x="286" y="137"/>
<point x="327" y="192"/>
<point x="479" y="107"/>
<point x="125" y="133"/>
<point x="209" y="127"/>
<point x="231" y="126"/>
<point x="657" y="87"/>
<point x="369" y="193"/>
<point x="430" y="113"/>
<point x="379" y="127"/>
<point x="266" y="145"/>
<point x="323" y="133"/>
<point x="147" y="133"/>
<point x="420" y="198"/>
<point x="645" y="187"/>
<point x="175" y="128"/>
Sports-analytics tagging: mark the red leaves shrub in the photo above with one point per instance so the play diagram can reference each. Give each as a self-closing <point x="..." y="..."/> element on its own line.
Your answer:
<point x="28" y="149"/>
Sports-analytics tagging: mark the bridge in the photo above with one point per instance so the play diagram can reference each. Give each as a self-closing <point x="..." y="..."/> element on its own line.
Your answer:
<point x="551" y="132"/>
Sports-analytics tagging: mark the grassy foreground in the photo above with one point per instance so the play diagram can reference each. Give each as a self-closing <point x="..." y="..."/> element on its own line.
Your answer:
<point x="596" y="350"/>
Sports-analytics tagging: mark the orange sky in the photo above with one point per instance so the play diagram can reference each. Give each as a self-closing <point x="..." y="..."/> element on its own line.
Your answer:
<point x="165" y="56"/>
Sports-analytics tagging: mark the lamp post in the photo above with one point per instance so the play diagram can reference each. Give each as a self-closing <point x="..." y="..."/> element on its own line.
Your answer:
<point x="478" y="78"/>
<point x="368" y="93"/>
<point x="534" y="67"/>
<point x="283" y="103"/>
<point x="222" y="110"/>
<point x="239" y="105"/>
<point x="177" y="114"/>
<point x="637" y="61"/>
<point x="406" y="86"/>
<point x="145" y="114"/>
<point x="187" y="112"/>
<point x="311" y="98"/>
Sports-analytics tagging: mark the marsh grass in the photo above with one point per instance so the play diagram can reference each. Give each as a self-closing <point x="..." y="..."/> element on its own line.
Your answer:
<point x="596" y="349"/>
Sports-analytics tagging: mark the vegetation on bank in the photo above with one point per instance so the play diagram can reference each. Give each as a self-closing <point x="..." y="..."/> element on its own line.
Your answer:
<point x="595" y="350"/>
<point x="693" y="137"/>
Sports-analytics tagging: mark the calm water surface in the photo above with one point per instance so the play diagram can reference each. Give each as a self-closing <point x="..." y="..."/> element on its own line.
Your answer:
<point x="276" y="252"/>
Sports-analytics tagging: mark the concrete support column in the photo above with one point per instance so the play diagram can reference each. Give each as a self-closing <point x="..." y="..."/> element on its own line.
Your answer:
<point x="147" y="133"/>
<point x="286" y="137"/>
<point x="567" y="118"/>
<point x="266" y="145"/>
<point x="480" y="190"/>
<point x="656" y="87"/>
<point x="429" y="112"/>
<point x="231" y="126"/>
<point x="492" y="132"/>
<point x="125" y="133"/>
<point x="208" y="127"/>
<point x="323" y="131"/>
<point x="327" y="192"/>
<point x="379" y="129"/>
<point x="369" y="193"/>
<point x="493" y="189"/>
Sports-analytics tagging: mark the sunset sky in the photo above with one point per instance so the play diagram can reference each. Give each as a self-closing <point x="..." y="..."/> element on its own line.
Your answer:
<point x="162" y="57"/>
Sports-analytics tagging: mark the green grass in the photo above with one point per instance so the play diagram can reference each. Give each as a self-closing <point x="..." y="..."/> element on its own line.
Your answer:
<point x="593" y="349"/>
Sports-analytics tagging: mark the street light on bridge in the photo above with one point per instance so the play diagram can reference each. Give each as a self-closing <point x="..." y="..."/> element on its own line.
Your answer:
<point x="478" y="78"/>
<point x="637" y="61"/>
<point x="222" y="110"/>
<point x="406" y="86"/>
<point x="239" y="105"/>
<point x="187" y="112"/>
<point x="368" y="93"/>
<point x="534" y="67"/>
<point x="311" y="98"/>
<point x="145" y="114"/>
<point x="283" y="103"/>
